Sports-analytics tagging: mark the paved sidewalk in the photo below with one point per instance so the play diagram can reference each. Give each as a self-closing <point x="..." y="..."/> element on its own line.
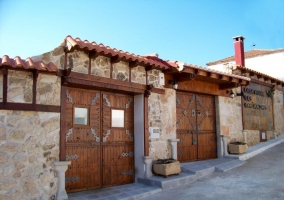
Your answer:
<point x="191" y="172"/>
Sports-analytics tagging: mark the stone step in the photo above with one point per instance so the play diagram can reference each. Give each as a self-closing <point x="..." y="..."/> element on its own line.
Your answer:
<point x="172" y="181"/>
<point x="198" y="171"/>
<point x="229" y="165"/>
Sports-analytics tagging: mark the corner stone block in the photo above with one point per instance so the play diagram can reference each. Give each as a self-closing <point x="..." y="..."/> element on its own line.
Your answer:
<point x="61" y="167"/>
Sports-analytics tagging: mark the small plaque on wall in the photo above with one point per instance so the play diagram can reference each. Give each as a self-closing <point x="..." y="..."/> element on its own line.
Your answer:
<point x="262" y="136"/>
<point x="155" y="132"/>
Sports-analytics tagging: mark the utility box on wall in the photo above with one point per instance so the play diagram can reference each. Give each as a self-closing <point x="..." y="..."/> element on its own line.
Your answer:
<point x="154" y="132"/>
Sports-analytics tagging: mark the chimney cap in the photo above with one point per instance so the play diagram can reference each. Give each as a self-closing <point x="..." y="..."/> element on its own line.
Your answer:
<point x="238" y="37"/>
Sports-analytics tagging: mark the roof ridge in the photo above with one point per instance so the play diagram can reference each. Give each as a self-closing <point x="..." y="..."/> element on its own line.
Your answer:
<point x="248" y="54"/>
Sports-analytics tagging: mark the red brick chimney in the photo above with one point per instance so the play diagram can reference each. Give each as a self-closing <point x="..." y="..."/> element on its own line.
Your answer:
<point x="239" y="50"/>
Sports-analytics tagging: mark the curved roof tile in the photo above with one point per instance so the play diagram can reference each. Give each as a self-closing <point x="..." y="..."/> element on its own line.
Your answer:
<point x="249" y="54"/>
<point x="259" y="73"/>
<point x="100" y="48"/>
<point x="17" y="62"/>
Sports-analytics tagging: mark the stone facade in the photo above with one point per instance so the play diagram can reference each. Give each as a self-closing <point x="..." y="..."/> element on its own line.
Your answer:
<point x="138" y="75"/>
<point x="229" y="118"/>
<point x="121" y="71"/>
<point x="162" y="114"/>
<point x="278" y="108"/>
<point x="29" y="144"/>
<point x="252" y="137"/>
<point x="153" y="78"/>
<point x="57" y="56"/>
<point x="1" y="86"/>
<point x="48" y="90"/>
<point x="20" y="86"/>
<point x="78" y="61"/>
<point x="101" y="66"/>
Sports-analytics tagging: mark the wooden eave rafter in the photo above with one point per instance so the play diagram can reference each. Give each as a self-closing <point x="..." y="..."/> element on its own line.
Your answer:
<point x="224" y="81"/>
<point x="261" y="78"/>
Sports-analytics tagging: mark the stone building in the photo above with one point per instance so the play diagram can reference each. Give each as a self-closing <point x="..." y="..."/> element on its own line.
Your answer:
<point x="258" y="108"/>
<point x="86" y="116"/>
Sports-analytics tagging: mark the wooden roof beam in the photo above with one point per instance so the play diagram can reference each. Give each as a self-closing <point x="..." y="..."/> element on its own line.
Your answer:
<point x="133" y="64"/>
<point x="227" y="86"/>
<point x="93" y="54"/>
<point x="115" y="59"/>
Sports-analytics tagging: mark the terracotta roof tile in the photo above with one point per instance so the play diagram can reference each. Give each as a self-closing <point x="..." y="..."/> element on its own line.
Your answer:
<point x="259" y="73"/>
<point x="175" y="65"/>
<point x="100" y="48"/>
<point x="17" y="62"/>
<point x="248" y="54"/>
<point x="217" y="72"/>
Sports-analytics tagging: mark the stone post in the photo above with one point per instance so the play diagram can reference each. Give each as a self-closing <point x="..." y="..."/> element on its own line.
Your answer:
<point x="225" y="145"/>
<point x="275" y="134"/>
<point x="61" y="167"/>
<point x="245" y="137"/>
<point x="173" y="143"/>
<point x="148" y="166"/>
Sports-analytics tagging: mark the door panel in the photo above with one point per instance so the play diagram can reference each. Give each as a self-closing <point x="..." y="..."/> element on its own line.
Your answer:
<point x="186" y="126"/>
<point x="100" y="155"/>
<point x="196" y="127"/>
<point x="117" y="142"/>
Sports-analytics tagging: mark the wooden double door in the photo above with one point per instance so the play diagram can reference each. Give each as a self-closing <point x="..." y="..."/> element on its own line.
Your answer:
<point x="99" y="139"/>
<point x="195" y="127"/>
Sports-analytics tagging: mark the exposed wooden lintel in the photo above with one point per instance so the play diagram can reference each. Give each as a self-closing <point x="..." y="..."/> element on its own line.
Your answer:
<point x="226" y="86"/>
<point x="29" y="107"/>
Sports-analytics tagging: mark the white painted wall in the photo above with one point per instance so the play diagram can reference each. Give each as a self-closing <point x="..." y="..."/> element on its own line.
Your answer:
<point x="271" y="64"/>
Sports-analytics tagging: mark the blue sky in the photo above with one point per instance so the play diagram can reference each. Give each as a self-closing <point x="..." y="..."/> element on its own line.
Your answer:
<point x="192" y="31"/>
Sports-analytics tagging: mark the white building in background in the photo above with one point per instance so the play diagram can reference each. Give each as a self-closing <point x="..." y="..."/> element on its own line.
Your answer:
<point x="266" y="61"/>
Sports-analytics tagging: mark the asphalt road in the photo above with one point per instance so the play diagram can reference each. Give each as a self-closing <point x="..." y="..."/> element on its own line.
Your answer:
<point x="262" y="177"/>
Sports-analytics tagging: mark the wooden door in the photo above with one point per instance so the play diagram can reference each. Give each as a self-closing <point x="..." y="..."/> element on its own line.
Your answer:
<point x="195" y="127"/>
<point x="100" y="155"/>
<point x="206" y="120"/>
<point x="186" y="127"/>
<point x="117" y="141"/>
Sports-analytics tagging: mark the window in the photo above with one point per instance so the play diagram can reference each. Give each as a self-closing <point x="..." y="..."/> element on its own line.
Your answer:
<point x="81" y="116"/>
<point x="117" y="118"/>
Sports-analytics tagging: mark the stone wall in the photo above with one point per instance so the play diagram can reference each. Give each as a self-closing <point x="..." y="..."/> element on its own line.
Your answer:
<point x="20" y="86"/>
<point x="48" y="89"/>
<point x="120" y="71"/>
<point x="252" y="137"/>
<point x="229" y="117"/>
<point x="153" y="78"/>
<point x="138" y="75"/>
<point x="101" y="66"/>
<point x="162" y="114"/>
<point x="78" y="61"/>
<point x="278" y="108"/>
<point x="57" y="56"/>
<point x="29" y="143"/>
<point x="1" y="86"/>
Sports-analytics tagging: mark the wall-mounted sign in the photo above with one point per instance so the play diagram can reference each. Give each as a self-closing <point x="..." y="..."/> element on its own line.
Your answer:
<point x="257" y="108"/>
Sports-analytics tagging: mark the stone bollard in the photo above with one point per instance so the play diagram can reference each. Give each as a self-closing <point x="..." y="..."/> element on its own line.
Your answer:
<point x="148" y="166"/>
<point x="61" y="167"/>
<point x="225" y="145"/>
<point x="173" y="143"/>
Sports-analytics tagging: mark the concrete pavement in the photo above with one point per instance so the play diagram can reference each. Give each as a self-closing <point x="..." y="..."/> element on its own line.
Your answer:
<point x="262" y="177"/>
